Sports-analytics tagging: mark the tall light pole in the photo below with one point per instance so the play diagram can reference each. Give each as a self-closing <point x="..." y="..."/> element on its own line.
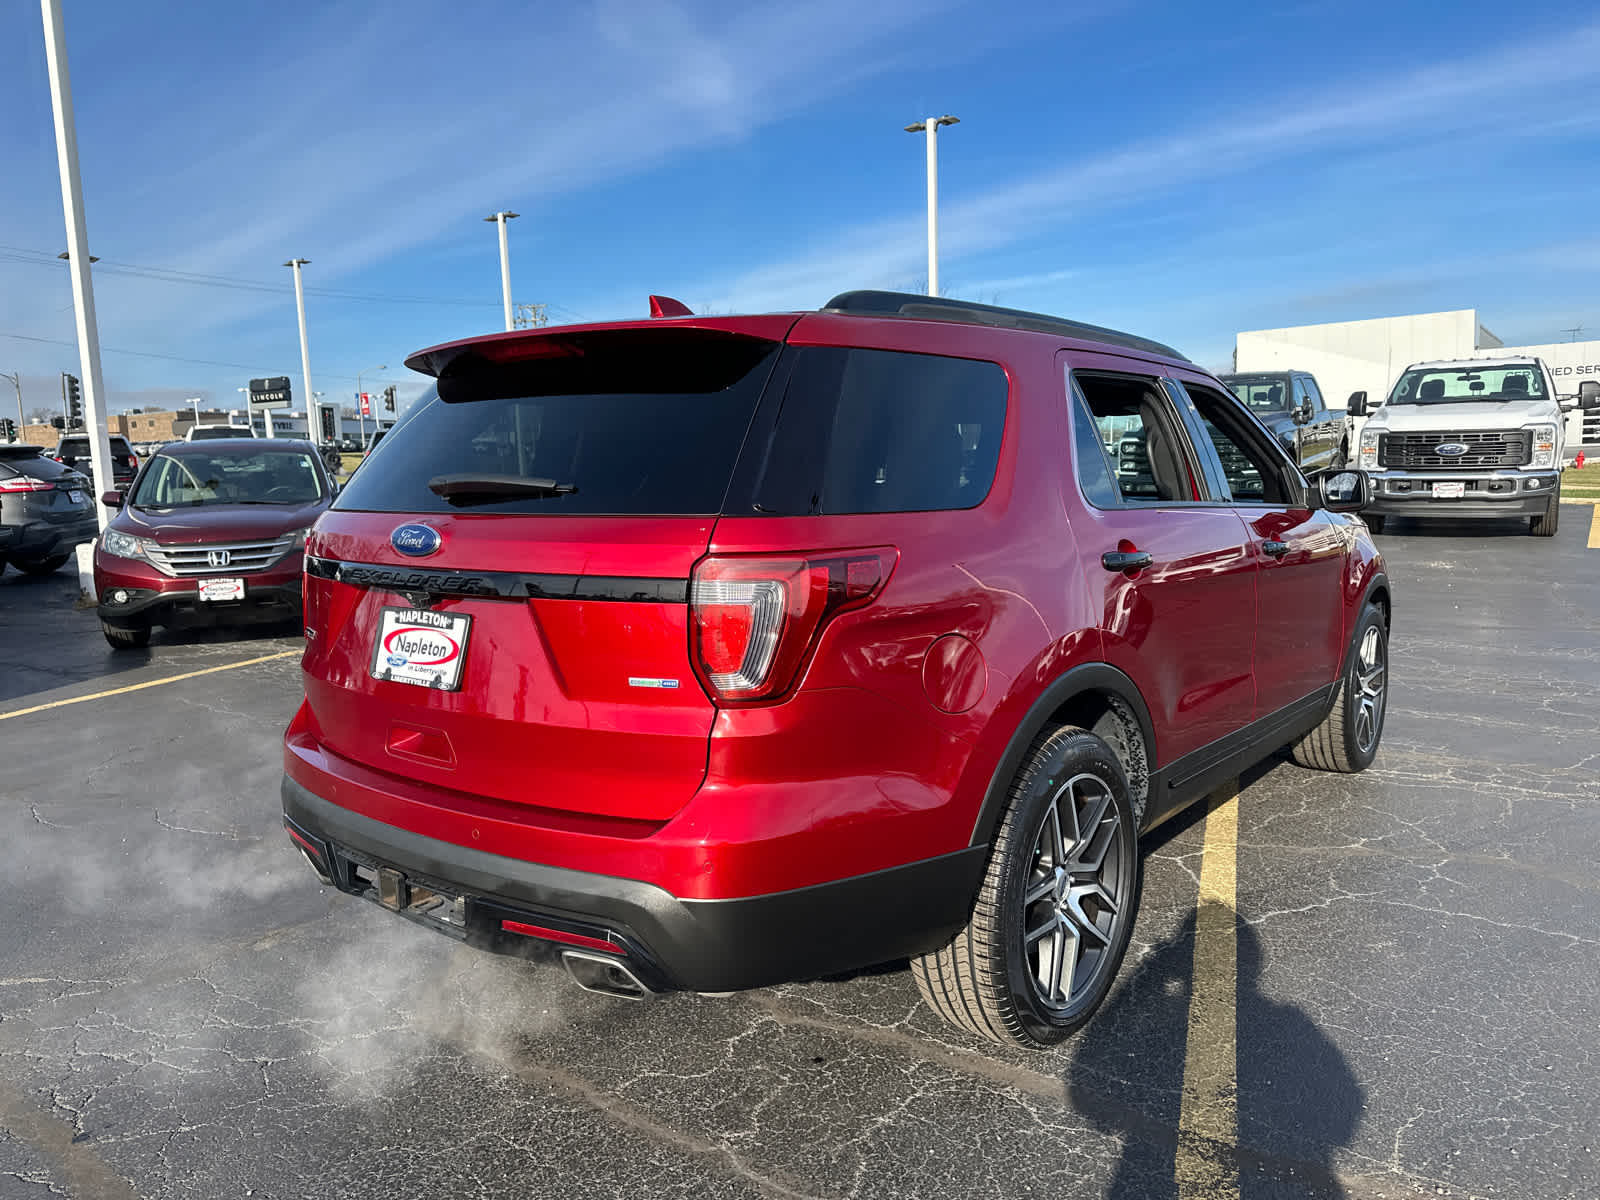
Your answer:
<point x="930" y="127"/>
<point x="195" y="400"/>
<point x="361" y="415"/>
<point x="305" y="352"/>
<point x="500" y="218"/>
<point x="55" y="53"/>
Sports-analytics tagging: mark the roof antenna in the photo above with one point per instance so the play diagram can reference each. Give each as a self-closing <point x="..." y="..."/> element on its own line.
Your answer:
<point x="666" y="306"/>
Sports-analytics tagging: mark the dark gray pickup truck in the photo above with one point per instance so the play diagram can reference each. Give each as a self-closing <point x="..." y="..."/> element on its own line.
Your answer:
<point x="1290" y="404"/>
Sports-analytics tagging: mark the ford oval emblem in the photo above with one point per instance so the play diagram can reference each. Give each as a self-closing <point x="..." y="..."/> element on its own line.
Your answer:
<point x="415" y="540"/>
<point x="1450" y="449"/>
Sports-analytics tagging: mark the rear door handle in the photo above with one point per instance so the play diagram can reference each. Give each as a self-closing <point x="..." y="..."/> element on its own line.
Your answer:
<point x="1126" y="560"/>
<point x="1274" y="549"/>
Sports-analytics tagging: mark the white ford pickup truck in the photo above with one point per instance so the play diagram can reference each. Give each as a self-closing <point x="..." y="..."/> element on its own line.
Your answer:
<point x="1467" y="438"/>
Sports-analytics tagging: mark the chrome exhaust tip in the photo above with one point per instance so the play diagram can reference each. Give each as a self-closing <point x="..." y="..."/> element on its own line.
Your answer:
<point x="605" y="975"/>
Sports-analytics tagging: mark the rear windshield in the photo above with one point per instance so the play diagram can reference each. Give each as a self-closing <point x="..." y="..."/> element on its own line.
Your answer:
<point x="15" y="461"/>
<point x="636" y="422"/>
<point x="880" y="431"/>
<point x="202" y="432"/>
<point x="78" y="447"/>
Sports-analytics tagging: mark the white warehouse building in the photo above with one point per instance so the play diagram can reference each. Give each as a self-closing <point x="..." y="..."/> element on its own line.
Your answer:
<point x="1368" y="356"/>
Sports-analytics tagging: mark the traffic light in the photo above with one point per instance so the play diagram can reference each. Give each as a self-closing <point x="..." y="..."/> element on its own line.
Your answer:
<point x="8" y="428"/>
<point x="72" y="395"/>
<point x="59" y="422"/>
<point x="388" y="397"/>
<point x="327" y="422"/>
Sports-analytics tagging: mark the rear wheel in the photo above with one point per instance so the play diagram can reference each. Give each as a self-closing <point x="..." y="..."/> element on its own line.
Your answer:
<point x="1053" y="917"/>
<point x="1347" y="740"/>
<point x="1545" y="526"/>
<point x="42" y="566"/>
<point x="125" y="639"/>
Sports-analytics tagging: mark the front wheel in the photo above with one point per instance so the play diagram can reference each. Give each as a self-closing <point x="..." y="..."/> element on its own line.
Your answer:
<point x="1545" y="526"/>
<point x="1053" y="917"/>
<point x="1347" y="740"/>
<point x="125" y="639"/>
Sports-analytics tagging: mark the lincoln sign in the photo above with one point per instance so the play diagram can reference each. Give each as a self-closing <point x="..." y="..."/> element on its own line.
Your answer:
<point x="269" y="393"/>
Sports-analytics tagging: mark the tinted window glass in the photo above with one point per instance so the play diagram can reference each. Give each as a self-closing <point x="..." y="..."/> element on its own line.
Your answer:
<point x="31" y="464"/>
<point x="640" y="422"/>
<point x="1254" y="473"/>
<point x="1094" y="471"/>
<point x="1147" y="452"/>
<point x="874" y="431"/>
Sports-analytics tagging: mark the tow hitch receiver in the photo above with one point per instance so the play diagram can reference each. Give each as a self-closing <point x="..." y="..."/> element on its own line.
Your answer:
<point x="393" y="892"/>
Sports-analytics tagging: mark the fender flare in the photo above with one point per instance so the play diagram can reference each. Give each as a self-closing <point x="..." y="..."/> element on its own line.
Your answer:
<point x="1086" y="677"/>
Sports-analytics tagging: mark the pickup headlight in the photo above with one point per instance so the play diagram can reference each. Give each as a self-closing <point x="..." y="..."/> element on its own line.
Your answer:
<point x="1543" y="438"/>
<point x="1368" y="454"/>
<point x="123" y="545"/>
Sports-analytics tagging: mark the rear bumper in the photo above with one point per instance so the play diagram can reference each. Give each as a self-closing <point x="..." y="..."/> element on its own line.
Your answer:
<point x="44" y="539"/>
<point x="670" y="942"/>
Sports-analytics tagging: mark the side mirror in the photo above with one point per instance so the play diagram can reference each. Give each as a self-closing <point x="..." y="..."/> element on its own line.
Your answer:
<point x="1567" y="403"/>
<point x="1589" y="394"/>
<point x="1344" y="490"/>
<point x="1302" y="415"/>
<point x="112" y="499"/>
<point x="1356" y="406"/>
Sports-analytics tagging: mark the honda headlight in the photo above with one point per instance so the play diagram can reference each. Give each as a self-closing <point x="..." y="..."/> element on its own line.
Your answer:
<point x="1368" y="454"/>
<point x="1543" y="438"/>
<point x="297" y="538"/>
<point x="123" y="545"/>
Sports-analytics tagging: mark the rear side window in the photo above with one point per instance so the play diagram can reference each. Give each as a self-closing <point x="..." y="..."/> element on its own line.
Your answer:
<point x="638" y="422"/>
<point x="879" y="431"/>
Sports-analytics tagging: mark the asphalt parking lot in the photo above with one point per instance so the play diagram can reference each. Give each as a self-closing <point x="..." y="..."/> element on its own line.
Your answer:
<point x="1379" y="985"/>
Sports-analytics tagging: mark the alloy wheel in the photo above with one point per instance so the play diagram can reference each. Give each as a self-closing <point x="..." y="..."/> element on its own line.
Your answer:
<point x="1076" y="892"/>
<point x="1371" y="680"/>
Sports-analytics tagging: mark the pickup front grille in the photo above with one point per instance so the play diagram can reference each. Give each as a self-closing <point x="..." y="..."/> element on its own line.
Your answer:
<point x="230" y="558"/>
<point x="1591" y="427"/>
<point x="1485" y="448"/>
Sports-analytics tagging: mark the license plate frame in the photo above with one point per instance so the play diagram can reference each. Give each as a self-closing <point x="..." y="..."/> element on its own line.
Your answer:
<point x="393" y="655"/>
<point x="1453" y="489"/>
<point x="223" y="589"/>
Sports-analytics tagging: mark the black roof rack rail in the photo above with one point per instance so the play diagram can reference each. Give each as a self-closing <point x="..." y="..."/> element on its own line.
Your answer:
<point x="941" y="308"/>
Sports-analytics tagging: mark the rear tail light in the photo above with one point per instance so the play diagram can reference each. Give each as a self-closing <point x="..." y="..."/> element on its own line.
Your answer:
<point x="26" y="483"/>
<point x="754" y="620"/>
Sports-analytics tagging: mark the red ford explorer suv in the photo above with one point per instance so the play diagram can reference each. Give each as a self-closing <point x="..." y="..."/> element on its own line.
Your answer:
<point x="210" y="533"/>
<point x="715" y="652"/>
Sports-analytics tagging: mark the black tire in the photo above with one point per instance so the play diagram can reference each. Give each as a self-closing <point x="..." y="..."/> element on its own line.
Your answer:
<point x="125" y="639"/>
<point x="1374" y="523"/>
<point x="1341" y="457"/>
<point x="42" y="566"/>
<point x="987" y="979"/>
<point x="1348" y="738"/>
<point x="1545" y="526"/>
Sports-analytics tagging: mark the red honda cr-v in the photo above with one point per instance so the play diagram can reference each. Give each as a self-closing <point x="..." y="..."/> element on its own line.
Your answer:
<point x="715" y="652"/>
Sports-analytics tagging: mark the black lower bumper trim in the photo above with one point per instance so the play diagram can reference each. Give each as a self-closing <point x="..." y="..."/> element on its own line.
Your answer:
<point x="1529" y="504"/>
<point x="694" y="945"/>
<point x="144" y="606"/>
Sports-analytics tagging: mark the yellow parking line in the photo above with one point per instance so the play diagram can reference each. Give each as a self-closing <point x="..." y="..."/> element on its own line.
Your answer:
<point x="1594" y="529"/>
<point x="136" y="687"/>
<point x="1208" y="1121"/>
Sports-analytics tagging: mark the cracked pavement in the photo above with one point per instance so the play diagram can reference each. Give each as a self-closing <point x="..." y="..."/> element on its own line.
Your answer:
<point x="186" y="1012"/>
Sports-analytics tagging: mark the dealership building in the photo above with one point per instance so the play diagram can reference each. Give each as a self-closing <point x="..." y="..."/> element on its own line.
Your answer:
<point x="1368" y="356"/>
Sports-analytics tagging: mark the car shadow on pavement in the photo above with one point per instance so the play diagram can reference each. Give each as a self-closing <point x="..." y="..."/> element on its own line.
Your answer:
<point x="1292" y="1097"/>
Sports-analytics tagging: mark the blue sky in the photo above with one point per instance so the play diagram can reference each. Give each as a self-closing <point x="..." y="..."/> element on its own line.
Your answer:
<point x="1184" y="171"/>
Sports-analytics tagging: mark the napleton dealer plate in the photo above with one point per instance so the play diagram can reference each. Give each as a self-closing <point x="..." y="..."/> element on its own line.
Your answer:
<point x="421" y="647"/>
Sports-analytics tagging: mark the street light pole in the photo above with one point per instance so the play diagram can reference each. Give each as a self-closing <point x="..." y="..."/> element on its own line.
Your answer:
<point x="55" y="53"/>
<point x="930" y="127"/>
<point x="500" y="218"/>
<point x="305" y="353"/>
<point x="361" y="416"/>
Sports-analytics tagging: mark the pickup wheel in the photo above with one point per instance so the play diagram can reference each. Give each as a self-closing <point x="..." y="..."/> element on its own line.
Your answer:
<point x="1052" y="919"/>
<point x="1347" y="740"/>
<point x="1545" y="526"/>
